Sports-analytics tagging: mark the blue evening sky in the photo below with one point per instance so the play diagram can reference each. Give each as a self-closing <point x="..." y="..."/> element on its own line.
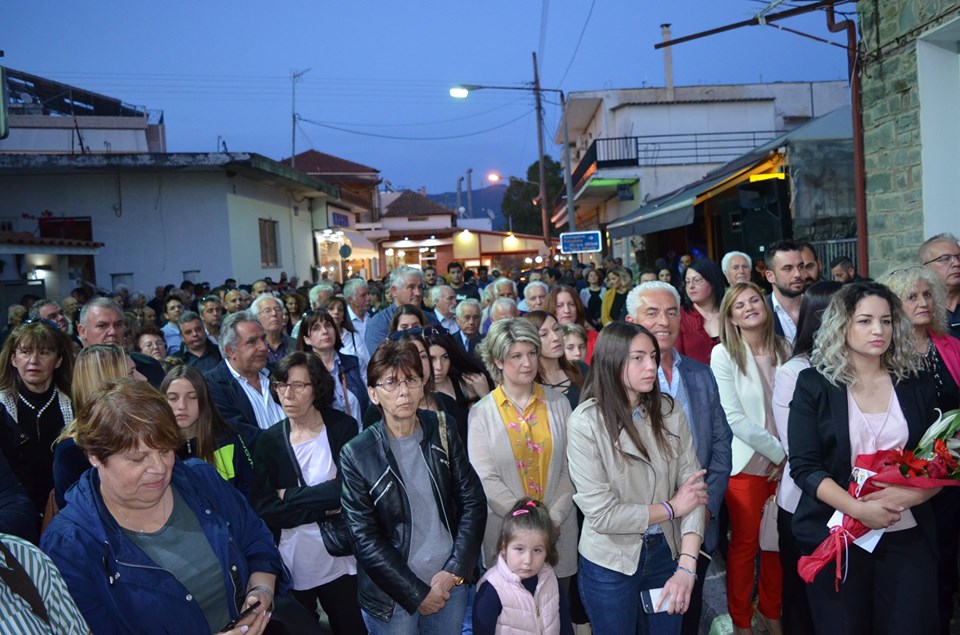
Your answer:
<point x="220" y="68"/>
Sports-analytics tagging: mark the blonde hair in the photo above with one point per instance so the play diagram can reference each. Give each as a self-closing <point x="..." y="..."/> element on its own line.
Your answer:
<point x="905" y="282"/>
<point x="95" y="366"/>
<point x="830" y="354"/>
<point x="502" y="335"/>
<point x="730" y="333"/>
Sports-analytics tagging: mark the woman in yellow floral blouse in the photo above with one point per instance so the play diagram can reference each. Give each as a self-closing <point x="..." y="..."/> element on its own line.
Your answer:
<point x="517" y="440"/>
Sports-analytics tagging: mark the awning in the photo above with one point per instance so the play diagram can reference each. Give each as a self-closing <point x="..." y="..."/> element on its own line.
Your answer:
<point x="359" y="244"/>
<point x="676" y="209"/>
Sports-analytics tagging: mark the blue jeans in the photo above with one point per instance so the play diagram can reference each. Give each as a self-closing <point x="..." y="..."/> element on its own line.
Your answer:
<point x="448" y="620"/>
<point x="612" y="599"/>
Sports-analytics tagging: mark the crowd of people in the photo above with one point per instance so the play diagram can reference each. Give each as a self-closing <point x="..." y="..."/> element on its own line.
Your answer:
<point x="480" y="452"/>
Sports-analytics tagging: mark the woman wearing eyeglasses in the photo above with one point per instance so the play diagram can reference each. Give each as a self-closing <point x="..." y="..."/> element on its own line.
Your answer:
<point x="319" y="334"/>
<point x="414" y="506"/>
<point x="298" y="486"/>
<point x="36" y="365"/>
<point x="700" y="322"/>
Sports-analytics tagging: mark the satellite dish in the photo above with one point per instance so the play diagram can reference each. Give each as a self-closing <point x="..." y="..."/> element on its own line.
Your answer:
<point x="461" y="211"/>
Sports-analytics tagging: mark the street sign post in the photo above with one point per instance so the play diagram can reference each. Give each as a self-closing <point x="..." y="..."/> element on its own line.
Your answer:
<point x="580" y="242"/>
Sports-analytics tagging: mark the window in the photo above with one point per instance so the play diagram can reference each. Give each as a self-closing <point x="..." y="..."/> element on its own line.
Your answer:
<point x="269" y="256"/>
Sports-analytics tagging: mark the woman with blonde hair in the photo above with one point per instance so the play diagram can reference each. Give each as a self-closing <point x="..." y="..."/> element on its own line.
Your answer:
<point x="862" y="396"/>
<point x="745" y="365"/>
<point x="614" y="306"/>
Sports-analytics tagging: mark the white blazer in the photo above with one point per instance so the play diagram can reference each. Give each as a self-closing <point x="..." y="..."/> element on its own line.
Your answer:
<point x="743" y="402"/>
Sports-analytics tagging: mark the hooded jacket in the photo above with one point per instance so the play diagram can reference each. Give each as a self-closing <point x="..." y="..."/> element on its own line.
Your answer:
<point x="119" y="589"/>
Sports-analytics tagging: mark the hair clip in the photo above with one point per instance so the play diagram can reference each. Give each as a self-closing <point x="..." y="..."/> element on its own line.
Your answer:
<point x="521" y="511"/>
<point x="531" y="503"/>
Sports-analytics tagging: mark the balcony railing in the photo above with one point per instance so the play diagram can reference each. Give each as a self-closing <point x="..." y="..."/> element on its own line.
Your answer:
<point x="673" y="149"/>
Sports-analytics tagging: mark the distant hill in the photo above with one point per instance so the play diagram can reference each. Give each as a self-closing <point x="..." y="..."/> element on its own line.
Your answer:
<point x="487" y="198"/>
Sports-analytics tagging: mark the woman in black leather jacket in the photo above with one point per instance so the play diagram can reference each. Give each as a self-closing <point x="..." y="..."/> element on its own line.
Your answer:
<point x="411" y="568"/>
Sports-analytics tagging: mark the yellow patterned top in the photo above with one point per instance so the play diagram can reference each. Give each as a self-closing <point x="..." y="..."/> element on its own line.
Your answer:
<point x="530" y="439"/>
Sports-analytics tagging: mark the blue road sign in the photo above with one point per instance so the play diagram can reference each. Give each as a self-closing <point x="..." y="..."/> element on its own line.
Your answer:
<point x="579" y="242"/>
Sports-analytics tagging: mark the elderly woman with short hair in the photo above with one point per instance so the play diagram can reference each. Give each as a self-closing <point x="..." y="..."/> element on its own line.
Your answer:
<point x="413" y="504"/>
<point x="518" y="440"/>
<point x="149" y="544"/>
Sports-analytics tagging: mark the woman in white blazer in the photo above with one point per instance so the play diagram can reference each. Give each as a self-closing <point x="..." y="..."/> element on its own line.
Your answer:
<point x="745" y="364"/>
<point x="517" y="440"/>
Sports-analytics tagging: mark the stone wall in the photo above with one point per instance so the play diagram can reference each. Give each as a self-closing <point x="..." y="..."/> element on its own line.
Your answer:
<point x="891" y="124"/>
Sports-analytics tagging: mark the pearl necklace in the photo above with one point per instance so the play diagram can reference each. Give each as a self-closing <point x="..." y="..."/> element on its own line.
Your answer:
<point x="43" y="408"/>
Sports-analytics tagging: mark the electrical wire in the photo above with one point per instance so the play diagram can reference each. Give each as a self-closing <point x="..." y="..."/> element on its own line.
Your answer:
<point x="576" y="48"/>
<point x="400" y="138"/>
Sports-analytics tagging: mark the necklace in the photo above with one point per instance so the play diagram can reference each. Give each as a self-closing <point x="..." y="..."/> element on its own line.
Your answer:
<point x="126" y="519"/>
<point x="42" y="408"/>
<point x="516" y="404"/>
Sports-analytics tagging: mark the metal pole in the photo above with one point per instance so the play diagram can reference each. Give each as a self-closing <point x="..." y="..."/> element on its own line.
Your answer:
<point x="296" y="75"/>
<point x="571" y="208"/>
<point x="543" y="168"/>
<point x="470" y="192"/>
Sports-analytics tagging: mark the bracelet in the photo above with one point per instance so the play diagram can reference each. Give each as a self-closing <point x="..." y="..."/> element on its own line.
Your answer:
<point x="689" y="556"/>
<point x="669" y="509"/>
<point x="690" y="571"/>
<point x="262" y="588"/>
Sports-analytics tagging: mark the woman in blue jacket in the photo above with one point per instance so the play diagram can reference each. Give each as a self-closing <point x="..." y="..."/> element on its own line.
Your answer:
<point x="149" y="544"/>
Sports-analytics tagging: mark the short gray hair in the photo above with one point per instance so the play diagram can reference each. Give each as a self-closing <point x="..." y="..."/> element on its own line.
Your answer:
<point x="99" y="302"/>
<point x="503" y="303"/>
<point x="436" y="290"/>
<point x="258" y="303"/>
<point x="352" y="286"/>
<point x="944" y="237"/>
<point x="399" y="275"/>
<point x="188" y="316"/>
<point x="464" y="304"/>
<point x="39" y="304"/>
<point x="499" y="281"/>
<point x="228" y="329"/>
<point x="503" y="335"/>
<point x="730" y="255"/>
<point x="635" y="297"/>
<point x="534" y="285"/>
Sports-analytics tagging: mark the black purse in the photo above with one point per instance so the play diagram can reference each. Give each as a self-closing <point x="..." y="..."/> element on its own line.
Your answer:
<point x="333" y="528"/>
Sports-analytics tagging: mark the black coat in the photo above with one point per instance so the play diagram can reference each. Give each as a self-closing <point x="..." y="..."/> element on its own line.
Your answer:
<point x="379" y="516"/>
<point x="232" y="403"/>
<point x="819" y="434"/>
<point x="276" y="467"/>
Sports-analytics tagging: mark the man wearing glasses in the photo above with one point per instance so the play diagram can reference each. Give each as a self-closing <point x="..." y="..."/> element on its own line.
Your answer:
<point x="941" y="254"/>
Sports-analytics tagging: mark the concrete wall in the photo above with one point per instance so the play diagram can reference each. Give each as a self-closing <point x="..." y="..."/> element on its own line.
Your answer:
<point x="675" y="119"/>
<point x="910" y="126"/>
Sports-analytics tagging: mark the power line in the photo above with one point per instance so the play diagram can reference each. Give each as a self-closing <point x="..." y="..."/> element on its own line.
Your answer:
<point x="579" y="40"/>
<point x="544" y="13"/>
<point x="399" y="138"/>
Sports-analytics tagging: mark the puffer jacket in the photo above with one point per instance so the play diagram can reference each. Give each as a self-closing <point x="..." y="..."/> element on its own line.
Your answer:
<point x="121" y="590"/>
<point x="378" y="513"/>
<point x="523" y="613"/>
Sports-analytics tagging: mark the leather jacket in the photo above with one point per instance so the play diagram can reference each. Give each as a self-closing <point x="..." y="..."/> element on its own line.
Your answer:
<point x="379" y="517"/>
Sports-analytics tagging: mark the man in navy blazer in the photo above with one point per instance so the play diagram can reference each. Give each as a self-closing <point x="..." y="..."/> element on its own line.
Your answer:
<point x="656" y="307"/>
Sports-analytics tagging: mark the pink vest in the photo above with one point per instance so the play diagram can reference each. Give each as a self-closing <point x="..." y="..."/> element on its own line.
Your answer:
<point x="523" y="613"/>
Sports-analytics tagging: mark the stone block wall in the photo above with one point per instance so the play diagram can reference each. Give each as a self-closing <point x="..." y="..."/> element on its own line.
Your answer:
<point x="891" y="124"/>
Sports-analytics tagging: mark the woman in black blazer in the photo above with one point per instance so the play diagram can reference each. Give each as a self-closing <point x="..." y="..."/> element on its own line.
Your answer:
<point x="298" y="483"/>
<point x="863" y="395"/>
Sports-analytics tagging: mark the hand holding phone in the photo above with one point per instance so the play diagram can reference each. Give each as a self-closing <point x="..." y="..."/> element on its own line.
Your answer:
<point x="233" y="624"/>
<point x="651" y="600"/>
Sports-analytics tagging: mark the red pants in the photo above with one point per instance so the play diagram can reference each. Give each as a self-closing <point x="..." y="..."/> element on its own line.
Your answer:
<point x="745" y="497"/>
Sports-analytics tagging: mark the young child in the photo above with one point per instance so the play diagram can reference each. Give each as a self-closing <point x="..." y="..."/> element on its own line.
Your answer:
<point x="574" y="342"/>
<point x="521" y="594"/>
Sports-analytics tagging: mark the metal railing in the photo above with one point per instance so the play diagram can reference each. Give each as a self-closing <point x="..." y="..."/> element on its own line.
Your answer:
<point x="827" y="250"/>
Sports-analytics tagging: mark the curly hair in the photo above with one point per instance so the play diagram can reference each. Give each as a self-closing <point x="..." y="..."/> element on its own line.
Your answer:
<point x="831" y="354"/>
<point x="906" y="282"/>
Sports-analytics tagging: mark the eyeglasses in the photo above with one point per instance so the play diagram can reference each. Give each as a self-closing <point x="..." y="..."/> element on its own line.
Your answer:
<point x="49" y="323"/>
<point x="210" y="298"/>
<point x="944" y="259"/>
<point x="411" y="383"/>
<point x="690" y="282"/>
<point x="296" y="386"/>
<point x="428" y="331"/>
<point x="896" y="272"/>
<point x="271" y="311"/>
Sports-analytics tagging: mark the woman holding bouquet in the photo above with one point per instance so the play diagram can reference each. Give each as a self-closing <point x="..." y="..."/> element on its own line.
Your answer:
<point x="863" y="395"/>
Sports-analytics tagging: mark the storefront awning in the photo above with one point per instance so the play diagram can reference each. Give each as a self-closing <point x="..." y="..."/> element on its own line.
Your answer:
<point x="676" y="209"/>
<point x="361" y="246"/>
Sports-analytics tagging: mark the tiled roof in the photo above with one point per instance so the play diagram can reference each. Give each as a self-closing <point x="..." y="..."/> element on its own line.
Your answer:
<point x="314" y="162"/>
<point x="28" y="239"/>
<point x="413" y="204"/>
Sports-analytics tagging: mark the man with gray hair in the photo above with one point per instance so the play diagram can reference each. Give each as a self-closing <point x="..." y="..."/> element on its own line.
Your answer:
<point x="444" y="301"/>
<point x="534" y="295"/>
<point x="357" y="294"/>
<point x="240" y="384"/>
<point x="656" y="307"/>
<point x="320" y="293"/>
<point x="268" y="310"/>
<point x="941" y="254"/>
<point x="101" y="322"/>
<point x="406" y="287"/>
<point x="503" y="308"/>
<point x="736" y="267"/>
<point x="468" y="321"/>
<point x="49" y="310"/>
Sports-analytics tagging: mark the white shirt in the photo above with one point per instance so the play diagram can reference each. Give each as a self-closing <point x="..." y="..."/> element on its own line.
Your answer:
<point x="449" y="323"/>
<point x="788" y="494"/>
<point x="301" y="548"/>
<point x="359" y="323"/>
<point x="267" y="411"/>
<point x="786" y="322"/>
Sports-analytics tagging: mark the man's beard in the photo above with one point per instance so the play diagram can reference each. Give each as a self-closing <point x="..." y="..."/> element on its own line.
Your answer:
<point x="787" y="292"/>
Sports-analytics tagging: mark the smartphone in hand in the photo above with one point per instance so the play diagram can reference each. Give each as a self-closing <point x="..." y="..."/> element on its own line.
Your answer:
<point x="233" y="624"/>
<point x="651" y="597"/>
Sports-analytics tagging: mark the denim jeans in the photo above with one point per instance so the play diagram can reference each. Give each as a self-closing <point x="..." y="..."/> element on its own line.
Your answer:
<point x="612" y="599"/>
<point x="446" y="621"/>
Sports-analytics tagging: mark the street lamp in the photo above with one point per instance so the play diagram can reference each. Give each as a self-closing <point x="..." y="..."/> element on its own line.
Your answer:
<point x="493" y="177"/>
<point x="463" y="91"/>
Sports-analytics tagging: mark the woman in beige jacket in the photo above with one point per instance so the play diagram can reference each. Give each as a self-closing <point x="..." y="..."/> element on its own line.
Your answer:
<point x="517" y="440"/>
<point x="639" y="486"/>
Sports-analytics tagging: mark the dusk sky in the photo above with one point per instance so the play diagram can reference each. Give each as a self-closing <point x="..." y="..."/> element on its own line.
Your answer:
<point x="384" y="69"/>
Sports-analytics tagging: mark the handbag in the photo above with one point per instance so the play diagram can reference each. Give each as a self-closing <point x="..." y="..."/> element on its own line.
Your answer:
<point x="769" y="536"/>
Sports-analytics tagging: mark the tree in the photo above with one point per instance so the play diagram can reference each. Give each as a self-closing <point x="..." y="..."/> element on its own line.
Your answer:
<point x="518" y="200"/>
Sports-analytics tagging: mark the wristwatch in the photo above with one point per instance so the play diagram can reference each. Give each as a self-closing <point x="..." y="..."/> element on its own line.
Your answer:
<point x="457" y="580"/>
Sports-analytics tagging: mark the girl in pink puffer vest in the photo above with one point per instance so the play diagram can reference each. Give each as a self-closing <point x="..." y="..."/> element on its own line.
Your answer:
<point x="521" y="594"/>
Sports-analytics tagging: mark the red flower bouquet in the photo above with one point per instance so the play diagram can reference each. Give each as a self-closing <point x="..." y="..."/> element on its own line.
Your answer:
<point x="934" y="463"/>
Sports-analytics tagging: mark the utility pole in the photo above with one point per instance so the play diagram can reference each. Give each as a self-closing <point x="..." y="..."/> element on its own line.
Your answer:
<point x="470" y="192"/>
<point x="459" y="193"/>
<point x="543" y="168"/>
<point x="294" y="78"/>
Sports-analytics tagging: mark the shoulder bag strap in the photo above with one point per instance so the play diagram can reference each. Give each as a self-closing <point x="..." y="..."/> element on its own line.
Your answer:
<point x="16" y="579"/>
